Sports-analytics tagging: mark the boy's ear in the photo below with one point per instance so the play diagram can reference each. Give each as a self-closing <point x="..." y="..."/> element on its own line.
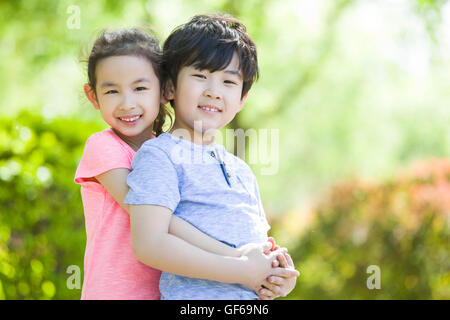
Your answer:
<point x="241" y="104"/>
<point x="90" y="95"/>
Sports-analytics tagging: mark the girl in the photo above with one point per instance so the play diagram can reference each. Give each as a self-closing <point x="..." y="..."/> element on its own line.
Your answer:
<point x="124" y="85"/>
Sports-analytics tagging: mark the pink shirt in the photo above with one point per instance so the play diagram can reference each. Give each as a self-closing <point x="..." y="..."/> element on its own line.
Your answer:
<point x="111" y="270"/>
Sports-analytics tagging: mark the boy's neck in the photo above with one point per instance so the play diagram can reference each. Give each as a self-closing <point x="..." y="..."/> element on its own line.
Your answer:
<point x="198" y="137"/>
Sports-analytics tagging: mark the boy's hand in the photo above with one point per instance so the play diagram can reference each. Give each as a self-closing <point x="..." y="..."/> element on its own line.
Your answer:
<point x="263" y="259"/>
<point x="259" y="266"/>
<point x="278" y="286"/>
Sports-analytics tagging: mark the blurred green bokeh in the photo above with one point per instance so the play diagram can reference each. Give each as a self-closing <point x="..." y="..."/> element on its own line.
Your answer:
<point x="357" y="89"/>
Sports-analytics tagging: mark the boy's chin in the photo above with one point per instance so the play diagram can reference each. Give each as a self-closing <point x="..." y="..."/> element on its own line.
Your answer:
<point x="207" y="131"/>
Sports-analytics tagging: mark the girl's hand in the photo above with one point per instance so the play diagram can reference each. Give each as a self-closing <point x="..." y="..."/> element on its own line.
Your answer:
<point x="264" y="247"/>
<point x="276" y="286"/>
<point x="274" y="245"/>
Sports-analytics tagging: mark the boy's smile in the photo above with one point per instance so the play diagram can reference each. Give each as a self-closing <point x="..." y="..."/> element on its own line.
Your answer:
<point x="211" y="98"/>
<point x="210" y="109"/>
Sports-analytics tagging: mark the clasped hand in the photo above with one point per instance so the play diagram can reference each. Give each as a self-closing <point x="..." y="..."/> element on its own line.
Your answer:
<point x="271" y="271"/>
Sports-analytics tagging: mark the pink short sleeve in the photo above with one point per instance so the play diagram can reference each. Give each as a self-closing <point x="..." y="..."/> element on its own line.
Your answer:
<point x="111" y="271"/>
<point x="103" y="151"/>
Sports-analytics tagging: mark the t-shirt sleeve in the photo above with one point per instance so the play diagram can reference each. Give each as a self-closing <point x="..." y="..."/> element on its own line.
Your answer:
<point x="153" y="179"/>
<point x="101" y="154"/>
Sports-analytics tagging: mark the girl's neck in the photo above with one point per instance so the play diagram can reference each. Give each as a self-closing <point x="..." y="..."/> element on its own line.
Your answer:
<point x="135" y="142"/>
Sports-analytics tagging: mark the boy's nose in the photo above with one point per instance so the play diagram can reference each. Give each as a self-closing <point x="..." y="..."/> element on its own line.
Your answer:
<point x="211" y="93"/>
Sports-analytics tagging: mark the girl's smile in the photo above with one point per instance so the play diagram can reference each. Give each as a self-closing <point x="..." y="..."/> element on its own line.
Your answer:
<point x="130" y="120"/>
<point x="128" y="95"/>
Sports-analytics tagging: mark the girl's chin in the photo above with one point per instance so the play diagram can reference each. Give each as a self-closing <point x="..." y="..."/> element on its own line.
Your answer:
<point x="129" y="132"/>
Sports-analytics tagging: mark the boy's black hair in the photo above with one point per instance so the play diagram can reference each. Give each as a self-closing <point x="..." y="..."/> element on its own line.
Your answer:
<point x="208" y="42"/>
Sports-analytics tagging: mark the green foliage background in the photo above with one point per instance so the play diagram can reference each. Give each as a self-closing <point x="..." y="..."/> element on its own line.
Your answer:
<point x="357" y="89"/>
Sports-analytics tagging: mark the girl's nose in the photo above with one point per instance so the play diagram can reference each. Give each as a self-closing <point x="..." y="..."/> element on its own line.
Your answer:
<point x="128" y="103"/>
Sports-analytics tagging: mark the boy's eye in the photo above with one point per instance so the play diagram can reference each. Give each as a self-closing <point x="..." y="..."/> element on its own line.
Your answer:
<point x="141" y="88"/>
<point x="111" y="91"/>
<point x="200" y="76"/>
<point x="230" y="82"/>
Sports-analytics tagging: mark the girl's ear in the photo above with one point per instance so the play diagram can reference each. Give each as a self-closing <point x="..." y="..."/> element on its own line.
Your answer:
<point x="168" y="91"/>
<point x="90" y="95"/>
<point x="163" y="98"/>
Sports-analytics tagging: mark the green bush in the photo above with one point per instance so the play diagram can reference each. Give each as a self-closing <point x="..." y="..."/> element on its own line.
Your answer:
<point x="401" y="226"/>
<point x="41" y="223"/>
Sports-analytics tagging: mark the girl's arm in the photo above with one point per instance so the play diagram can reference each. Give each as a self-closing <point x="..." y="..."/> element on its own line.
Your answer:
<point x="115" y="182"/>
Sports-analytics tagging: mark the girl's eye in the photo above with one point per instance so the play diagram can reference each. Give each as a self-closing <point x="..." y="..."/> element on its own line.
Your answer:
<point x="229" y="82"/>
<point x="199" y="76"/>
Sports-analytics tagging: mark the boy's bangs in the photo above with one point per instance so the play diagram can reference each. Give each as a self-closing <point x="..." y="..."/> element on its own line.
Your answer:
<point x="212" y="55"/>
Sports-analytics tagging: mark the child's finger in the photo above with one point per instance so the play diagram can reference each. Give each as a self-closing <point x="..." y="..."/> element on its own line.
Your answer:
<point x="276" y="291"/>
<point x="264" y="294"/>
<point x="267" y="247"/>
<point x="282" y="259"/>
<point x="275" y="280"/>
<point x="272" y="241"/>
<point x="289" y="260"/>
<point x="275" y="263"/>
<point x="285" y="273"/>
<point x="280" y="250"/>
<point x="274" y="245"/>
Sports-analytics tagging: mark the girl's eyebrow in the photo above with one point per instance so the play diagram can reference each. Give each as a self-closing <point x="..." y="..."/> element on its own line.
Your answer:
<point x="112" y="84"/>
<point x="141" y="80"/>
<point x="107" y="84"/>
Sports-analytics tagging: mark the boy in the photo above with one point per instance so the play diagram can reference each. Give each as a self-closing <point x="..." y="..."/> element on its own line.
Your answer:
<point x="211" y="64"/>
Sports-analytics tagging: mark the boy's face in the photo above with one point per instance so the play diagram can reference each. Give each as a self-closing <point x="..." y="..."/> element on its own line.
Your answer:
<point x="212" y="98"/>
<point x="127" y="94"/>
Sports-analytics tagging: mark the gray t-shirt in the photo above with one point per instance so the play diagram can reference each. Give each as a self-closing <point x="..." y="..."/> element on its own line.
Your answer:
<point x="187" y="178"/>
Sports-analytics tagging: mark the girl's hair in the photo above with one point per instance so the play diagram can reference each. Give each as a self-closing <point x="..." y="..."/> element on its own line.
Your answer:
<point x="129" y="42"/>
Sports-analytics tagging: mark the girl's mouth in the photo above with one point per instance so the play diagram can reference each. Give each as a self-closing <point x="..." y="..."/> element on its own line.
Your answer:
<point x="130" y="120"/>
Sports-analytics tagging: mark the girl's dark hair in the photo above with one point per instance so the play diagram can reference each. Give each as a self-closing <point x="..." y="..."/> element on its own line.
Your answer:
<point x="129" y="42"/>
<point x="208" y="42"/>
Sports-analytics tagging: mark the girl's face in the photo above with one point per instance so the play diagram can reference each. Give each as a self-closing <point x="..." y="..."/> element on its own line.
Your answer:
<point x="127" y="94"/>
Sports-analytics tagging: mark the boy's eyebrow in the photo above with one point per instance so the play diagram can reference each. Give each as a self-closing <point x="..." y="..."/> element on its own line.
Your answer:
<point x="112" y="84"/>
<point x="234" y="72"/>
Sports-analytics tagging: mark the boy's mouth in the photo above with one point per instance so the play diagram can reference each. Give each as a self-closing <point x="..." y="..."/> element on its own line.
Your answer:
<point x="210" y="108"/>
